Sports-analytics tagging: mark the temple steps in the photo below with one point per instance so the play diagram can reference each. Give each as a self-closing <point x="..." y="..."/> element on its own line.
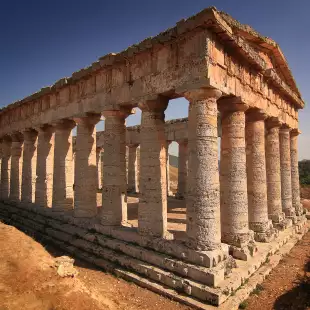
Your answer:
<point x="191" y="284"/>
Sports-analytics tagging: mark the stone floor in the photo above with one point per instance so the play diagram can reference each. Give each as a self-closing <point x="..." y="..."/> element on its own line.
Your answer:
<point x="176" y="214"/>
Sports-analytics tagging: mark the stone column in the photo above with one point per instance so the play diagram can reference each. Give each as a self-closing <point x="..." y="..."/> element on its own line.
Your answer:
<point x="16" y="167"/>
<point x="45" y="166"/>
<point x="295" y="173"/>
<point x="233" y="178"/>
<point x="256" y="176"/>
<point x="114" y="202"/>
<point x="99" y="168"/>
<point x="203" y="226"/>
<point x="85" y="168"/>
<point x="6" y="168"/>
<point x="273" y="171"/>
<point x="63" y="167"/>
<point x="29" y="166"/>
<point x="133" y="182"/>
<point x="169" y="193"/>
<point x="286" y="176"/>
<point x="152" y="210"/>
<point x="182" y="169"/>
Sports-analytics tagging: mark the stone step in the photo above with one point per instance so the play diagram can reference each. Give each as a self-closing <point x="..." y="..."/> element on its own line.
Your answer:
<point x="208" y="276"/>
<point x="162" y="277"/>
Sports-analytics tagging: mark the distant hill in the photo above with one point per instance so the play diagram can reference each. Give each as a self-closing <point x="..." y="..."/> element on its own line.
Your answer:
<point x="304" y="172"/>
<point x="174" y="161"/>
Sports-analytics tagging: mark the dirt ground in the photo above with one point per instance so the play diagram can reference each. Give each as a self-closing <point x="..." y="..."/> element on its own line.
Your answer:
<point x="29" y="281"/>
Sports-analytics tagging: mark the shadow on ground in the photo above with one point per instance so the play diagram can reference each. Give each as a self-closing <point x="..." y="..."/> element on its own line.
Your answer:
<point x="299" y="297"/>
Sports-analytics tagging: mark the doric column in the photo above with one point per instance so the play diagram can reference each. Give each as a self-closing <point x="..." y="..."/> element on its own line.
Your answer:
<point x="203" y="188"/>
<point x="133" y="182"/>
<point x="16" y="166"/>
<point x="273" y="171"/>
<point x="45" y="166"/>
<point x="152" y="210"/>
<point x="233" y="178"/>
<point x="169" y="193"/>
<point x="85" y="168"/>
<point x="29" y="166"/>
<point x="114" y="202"/>
<point x="256" y="176"/>
<point x="286" y="175"/>
<point x="295" y="173"/>
<point x="63" y="167"/>
<point x="99" y="167"/>
<point x="6" y="168"/>
<point x="182" y="169"/>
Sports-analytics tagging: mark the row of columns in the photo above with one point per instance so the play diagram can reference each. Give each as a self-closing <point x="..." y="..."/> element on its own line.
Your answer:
<point x="258" y="173"/>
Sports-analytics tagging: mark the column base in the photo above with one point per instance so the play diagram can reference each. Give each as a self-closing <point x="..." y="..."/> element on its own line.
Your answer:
<point x="241" y="246"/>
<point x="291" y="214"/>
<point x="264" y="232"/>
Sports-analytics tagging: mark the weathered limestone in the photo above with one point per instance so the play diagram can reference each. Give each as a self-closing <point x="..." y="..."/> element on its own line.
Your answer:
<point x="152" y="210"/>
<point x="63" y="167"/>
<point x="295" y="173"/>
<point x="182" y="169"/>
<point x="114" y="200"/>
<point x="85" y="169"/>
<point x="273" y="171"/>
<point x="256" y="176"/>
<point x="203" y="188"/>
<point x="16" y="166"/>
<point x="29" y="166"/>
<point x="99" y="167"/>
<point x="169" y="192"/>
<point x="6" y="167"/>
<point x="45" y="166"/>
<point x="133" y="180"/>
<point x="286" y="174"/>
<point x="233" y="178"/>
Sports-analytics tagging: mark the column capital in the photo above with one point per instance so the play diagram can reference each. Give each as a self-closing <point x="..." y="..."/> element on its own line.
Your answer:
<point x="17" y="136"/>
<point x="45" y="128"/>
<point x="88" y="119"/>
<point x="132" y="145"/>
<point x="295" y="132"/>
<point x="123" y="112"/>
<point x="157" y="103"/>
<point x="285" y="128"/>
<point x="64" y="124"/>
<point x="29" y="134"/>
<point x="255" y="114"/>
<point x="232" y="104"/>
<point x="272" y="122"/>
<point x="201" y="94"/>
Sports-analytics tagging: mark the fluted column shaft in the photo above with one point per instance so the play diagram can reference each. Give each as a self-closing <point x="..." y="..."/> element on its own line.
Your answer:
<point x="152" y="210"/>
<point x="63" y="167"/>
<point x="133" y="182"/>
<point x="114" y="203"/>
<point x="29" y="166"/>
<point x="85" y="168"/>
<point x="286" y="174"/>
<point x="256" y="175"/>
<point x="273" y="171"/>
<point x="233" y="176"/>
<point x="45" y="166"/>
<point x="6" y="168"/>
<point x="295" y="173"/>
<point x="203" y="189"/>
<point x="16" y="167"/>
<point x="182" y="169"/>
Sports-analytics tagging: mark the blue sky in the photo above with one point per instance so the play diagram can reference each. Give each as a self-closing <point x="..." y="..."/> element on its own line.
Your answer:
<point x="42" y="41"/>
